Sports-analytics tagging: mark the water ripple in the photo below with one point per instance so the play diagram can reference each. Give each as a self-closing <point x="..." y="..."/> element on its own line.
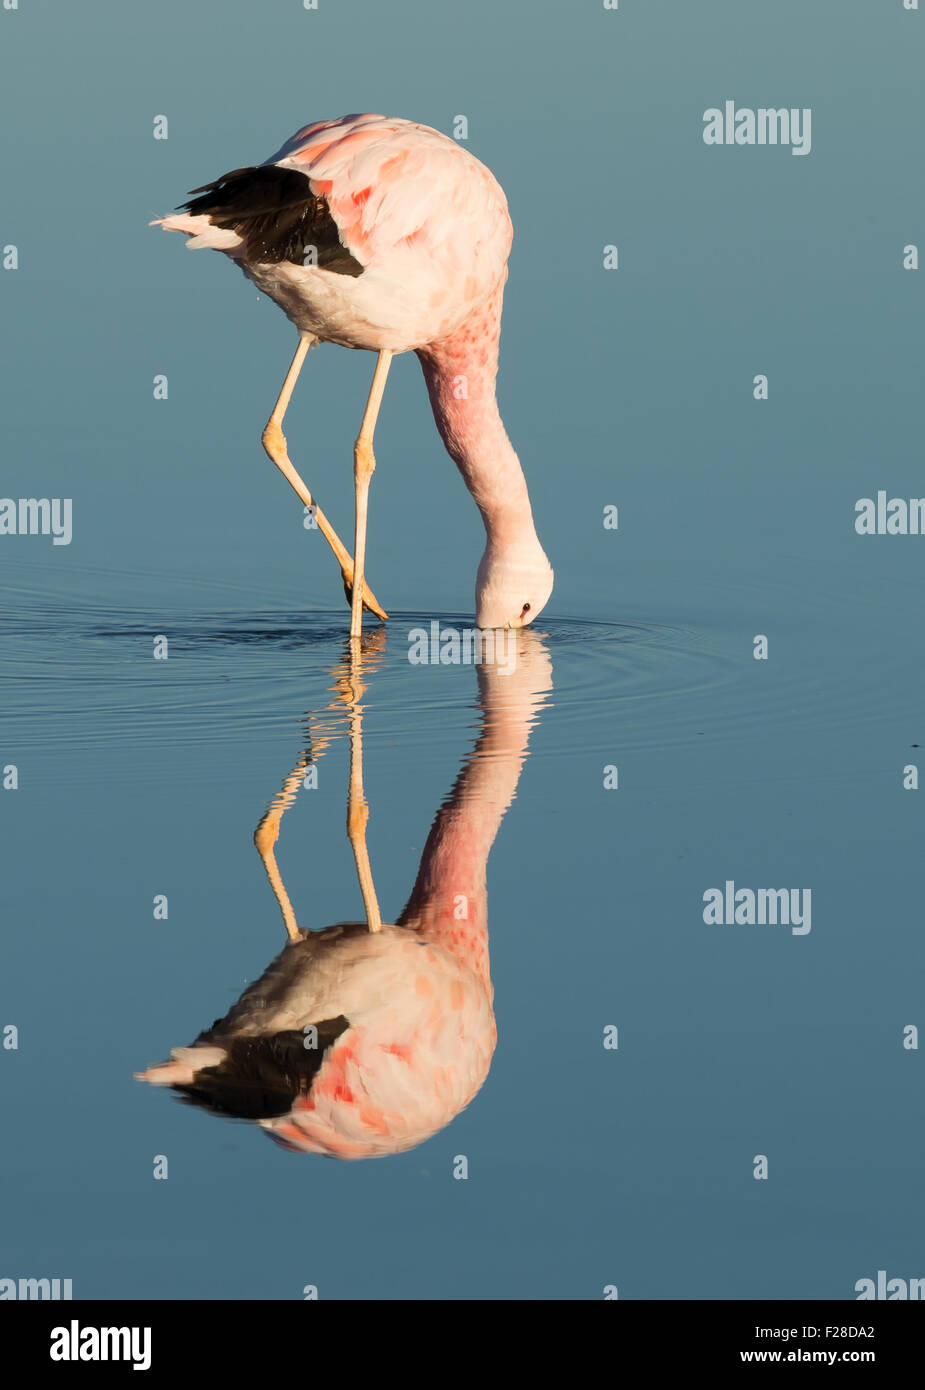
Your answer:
<point x="80" y="677"/>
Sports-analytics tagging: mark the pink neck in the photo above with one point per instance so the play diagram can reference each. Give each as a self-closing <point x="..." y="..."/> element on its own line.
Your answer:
<point x="460" y="372"/>
<point x="451" y="877"/>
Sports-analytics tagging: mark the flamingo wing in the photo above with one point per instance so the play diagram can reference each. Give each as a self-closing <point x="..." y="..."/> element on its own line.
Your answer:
<point x="259" y="1078"/>
<point x="395" y="187"/>
<point x="276" y="216"/>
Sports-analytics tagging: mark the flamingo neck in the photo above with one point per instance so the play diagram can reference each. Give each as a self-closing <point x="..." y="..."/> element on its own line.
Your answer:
<point x="449" y="901"/>
<point x="460" y="371"/>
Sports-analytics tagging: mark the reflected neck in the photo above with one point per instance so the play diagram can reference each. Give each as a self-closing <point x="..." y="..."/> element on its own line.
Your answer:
<point x="449" y="901"/>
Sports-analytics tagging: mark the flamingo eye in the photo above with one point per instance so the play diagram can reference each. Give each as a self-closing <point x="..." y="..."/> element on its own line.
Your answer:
<point x="525" y="609"/>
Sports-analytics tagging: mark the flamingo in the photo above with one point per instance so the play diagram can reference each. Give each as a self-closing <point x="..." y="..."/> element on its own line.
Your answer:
<point x="383" y="234"/>
<point x="402" y="1014"/>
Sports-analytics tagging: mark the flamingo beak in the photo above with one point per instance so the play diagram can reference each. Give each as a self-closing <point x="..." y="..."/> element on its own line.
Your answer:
<point x="522" y="621"/>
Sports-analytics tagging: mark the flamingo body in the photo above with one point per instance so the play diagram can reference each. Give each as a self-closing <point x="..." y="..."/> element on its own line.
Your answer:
<point x="383" y="234"/>
<point x="427" y="223"/>
<point x="405" y="1036"/>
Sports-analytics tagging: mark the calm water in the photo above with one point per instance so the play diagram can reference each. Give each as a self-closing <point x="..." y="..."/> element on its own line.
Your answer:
<point x="587" y="1166"/>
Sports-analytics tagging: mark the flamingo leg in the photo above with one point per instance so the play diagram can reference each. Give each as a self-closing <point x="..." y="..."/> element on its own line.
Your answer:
<point x="274" y="441"/>
<point x="364" y="463"/>
<point x="357" y="805"/>
<point x="357" y="820"/>
<point x="265" y="837"/>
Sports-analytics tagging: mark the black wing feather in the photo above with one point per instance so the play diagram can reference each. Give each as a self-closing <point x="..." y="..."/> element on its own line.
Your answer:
<point x="260" y="1077"/>
<point x="276" y="215"/>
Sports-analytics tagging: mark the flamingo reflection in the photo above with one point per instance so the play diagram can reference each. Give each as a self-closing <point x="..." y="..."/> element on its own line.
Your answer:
<point x="366" y="1038"/>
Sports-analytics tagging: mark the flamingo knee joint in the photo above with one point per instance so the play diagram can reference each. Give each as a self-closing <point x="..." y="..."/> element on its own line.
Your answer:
<point x="273" y="440"/>
<point x="364" y="460"/>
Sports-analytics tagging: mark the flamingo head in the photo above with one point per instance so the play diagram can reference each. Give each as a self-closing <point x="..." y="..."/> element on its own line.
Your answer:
<point x="513" y="584"/>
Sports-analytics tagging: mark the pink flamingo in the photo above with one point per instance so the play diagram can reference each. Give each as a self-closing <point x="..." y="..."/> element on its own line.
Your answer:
<point x="383" y="234"/>
<point x="404" y="1028"/>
